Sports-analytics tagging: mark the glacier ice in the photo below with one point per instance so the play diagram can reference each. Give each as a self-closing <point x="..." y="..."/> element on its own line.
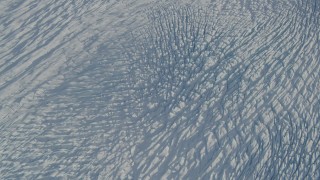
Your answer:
<point x="160" y="90"/>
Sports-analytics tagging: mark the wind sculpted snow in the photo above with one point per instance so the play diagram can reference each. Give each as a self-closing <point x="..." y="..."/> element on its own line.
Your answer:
<point x="150" y="90"/>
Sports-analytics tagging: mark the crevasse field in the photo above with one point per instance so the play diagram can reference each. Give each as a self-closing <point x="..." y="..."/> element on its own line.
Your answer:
<point x="146" y="89"/>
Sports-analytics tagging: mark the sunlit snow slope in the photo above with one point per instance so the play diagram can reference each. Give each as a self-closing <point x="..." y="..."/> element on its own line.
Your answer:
<point x="144" y="89"/>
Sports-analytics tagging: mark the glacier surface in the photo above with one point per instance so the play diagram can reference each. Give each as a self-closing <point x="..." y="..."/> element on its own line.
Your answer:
<point x="145" y="89"/>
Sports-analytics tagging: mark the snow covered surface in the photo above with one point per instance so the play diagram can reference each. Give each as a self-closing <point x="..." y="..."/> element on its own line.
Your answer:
<point x="146" y="89"/>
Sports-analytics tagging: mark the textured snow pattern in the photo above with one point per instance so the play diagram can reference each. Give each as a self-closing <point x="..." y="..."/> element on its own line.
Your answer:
<point x="144" y="89"/>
